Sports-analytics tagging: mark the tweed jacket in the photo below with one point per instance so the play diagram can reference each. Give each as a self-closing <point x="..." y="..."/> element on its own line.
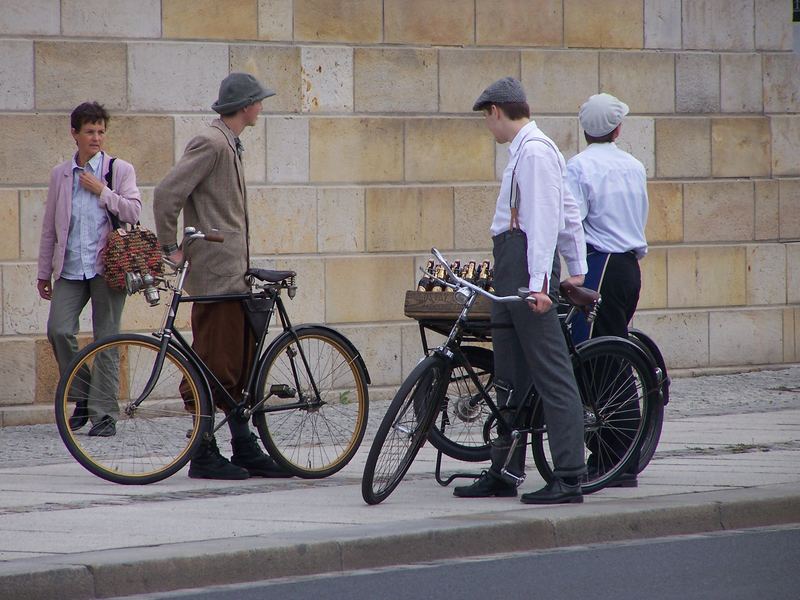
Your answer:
<point x="124" y="201"/>
<point x="207" y="184"/>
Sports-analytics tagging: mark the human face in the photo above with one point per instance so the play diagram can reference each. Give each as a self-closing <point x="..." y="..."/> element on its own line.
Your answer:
<point x="251" y="113"/>
<point x="89" y="140"/>
<point x="493" y="120"/>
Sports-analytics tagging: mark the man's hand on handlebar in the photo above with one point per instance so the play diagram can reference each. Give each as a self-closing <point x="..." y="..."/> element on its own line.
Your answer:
<point x="176" y="257"/>
<point x="541" y="303"/>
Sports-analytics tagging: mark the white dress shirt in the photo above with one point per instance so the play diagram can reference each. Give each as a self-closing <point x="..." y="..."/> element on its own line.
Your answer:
<point x="547" y="211"/>
<point x="610" y="186"/>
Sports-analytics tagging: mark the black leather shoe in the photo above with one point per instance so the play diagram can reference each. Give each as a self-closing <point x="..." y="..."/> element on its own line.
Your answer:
<point x="626" y="480"/>
<point x="208" y="463"/>
<point x="105" y="427"/>
<point x="486" y="486"/>
<point x="249" y="455"/>
<point x="555" y="492"/>
<point x="80" y="416"/>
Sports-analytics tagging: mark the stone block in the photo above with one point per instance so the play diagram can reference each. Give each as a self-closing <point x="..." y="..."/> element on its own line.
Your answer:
<point x="419" y="22"/>
<point x="559" y="81"/>
<point x="144" y="142"/>
<point x="340" y="220"/>
<point x="774" y="30"/>
<point x="17" y="372"/>
<point x="746" y="337"/>
<point x="718" y="211"/>
<point x="562" y="130"/>
<point x="603" y="24"/>
<point x="637" y="137"/>
<point x="287" y="149"/>
<point x="278" y="67"/>
<point x="31" y="213"/>
<point x="114" y="18"/>
<point x="785" y="142"/>
<point x="31" y="17"/>
<point x="409" y="218"/>
<point x="448" y="150"/>
<point x="740" y="83"/>
<point x="53" y="145"/>
<point x="354" y="150"/>
<point x="308" y="306"/>
<point x="16" y="73"/>
<point x="210" y="20"/>
<point x="465" y="73"/>
<point x="682" y="336"/>
<point x="789" y="345"/>
<point x="412" y="75"/>
<point x="282" y="220"/>
<point x="782" y="83"/>
<point x="789" y="191"/>
<point x="654" y="279"/>
<point x="767" y="210"/>
<point x="766" y="274"/>
<point x="706" y="276"/>
<point x="500" y="160"/>
<point x="474" y="209"/>
<point x="793" y="280"/>
<point x="645" y="80"/>
<point x="697" y="83"/>
<point x="178" y="77"/>
<point x="23" y="311"/>
<point x="10" y="225"/>
<point x="665" y="215"/>
<point x="662" y="23"/>
<point x="327" y="79"/>
<point x="718" y="25"/>
<point x="683" y="147"/>
<point x="381" y="347"/>
<point x="275" y="20"/>
<point x="386" y="277"/>
<point x="63" y="81"/>
<point x="740" y="147"/>
<point x="516" y="23"/>
<point x="47" y="376"/>
<point x="139" y="316"/>
<point x="340" y="21"/>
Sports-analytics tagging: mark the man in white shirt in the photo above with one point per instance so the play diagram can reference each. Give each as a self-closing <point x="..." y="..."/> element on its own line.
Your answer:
<point x="610" y="186"/>
<point x="534" y="214"/>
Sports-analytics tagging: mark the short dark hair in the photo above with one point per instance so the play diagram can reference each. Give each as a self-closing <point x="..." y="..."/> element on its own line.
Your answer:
<point x="609" y="137"/>
<point x="513" y="110"/>
<point x="88" y="112"/>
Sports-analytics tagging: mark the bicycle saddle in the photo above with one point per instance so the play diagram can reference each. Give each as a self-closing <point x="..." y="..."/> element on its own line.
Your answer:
<point x="578" y="296"/>
<point x="270" y="276"/>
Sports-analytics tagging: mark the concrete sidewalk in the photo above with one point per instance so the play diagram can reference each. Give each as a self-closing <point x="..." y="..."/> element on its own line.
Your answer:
<point x="66" y="534"/>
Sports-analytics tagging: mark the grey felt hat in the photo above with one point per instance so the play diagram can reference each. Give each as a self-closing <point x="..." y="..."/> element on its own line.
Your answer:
<point x="503" y="90"/>
<point x="238" y="90"/>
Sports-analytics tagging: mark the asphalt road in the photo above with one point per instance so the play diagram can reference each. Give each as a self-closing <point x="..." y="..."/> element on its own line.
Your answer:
<point x="732" y="565"/>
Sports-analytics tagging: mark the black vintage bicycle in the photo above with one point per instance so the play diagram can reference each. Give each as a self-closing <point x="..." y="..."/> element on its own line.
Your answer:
<point x="448" y="398"/>
<point x="306" y="390"/>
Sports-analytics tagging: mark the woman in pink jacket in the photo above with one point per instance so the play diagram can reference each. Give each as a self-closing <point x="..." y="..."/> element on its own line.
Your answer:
<point x="74" y="231"/>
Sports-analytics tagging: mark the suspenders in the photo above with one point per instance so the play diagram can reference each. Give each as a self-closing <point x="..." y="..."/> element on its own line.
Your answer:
<point x="514" y="192"/>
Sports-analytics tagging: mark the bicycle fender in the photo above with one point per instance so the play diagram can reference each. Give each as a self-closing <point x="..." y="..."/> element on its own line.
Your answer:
<point x="651" y="346"/>
<point x="612" y="339"/>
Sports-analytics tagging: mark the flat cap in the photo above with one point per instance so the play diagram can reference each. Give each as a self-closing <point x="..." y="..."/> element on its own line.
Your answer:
<point x="238" y="90"/>
<point x="503" y="90"/>
<point x="601" y="114"/>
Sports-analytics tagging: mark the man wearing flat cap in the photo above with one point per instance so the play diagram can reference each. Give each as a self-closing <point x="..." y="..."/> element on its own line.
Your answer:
<point x="610" y="186"/>
<point x="207" y="184"/>
<point x="534" y="215"/>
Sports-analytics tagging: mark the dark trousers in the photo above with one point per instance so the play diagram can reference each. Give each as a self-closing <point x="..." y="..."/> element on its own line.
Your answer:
<point x="534" y="350"/>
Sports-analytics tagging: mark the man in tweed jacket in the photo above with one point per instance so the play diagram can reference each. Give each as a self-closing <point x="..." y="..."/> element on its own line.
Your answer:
<point x="208" y="185"/>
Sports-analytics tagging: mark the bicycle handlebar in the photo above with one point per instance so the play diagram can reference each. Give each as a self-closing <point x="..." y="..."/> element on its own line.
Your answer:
<point x="192" y="233"/>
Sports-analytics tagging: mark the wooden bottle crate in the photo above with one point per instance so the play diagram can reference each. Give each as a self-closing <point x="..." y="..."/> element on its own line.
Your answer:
<point x="442" y="306"/>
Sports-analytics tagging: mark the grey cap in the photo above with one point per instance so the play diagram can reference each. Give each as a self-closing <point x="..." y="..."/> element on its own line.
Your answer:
<point x="506" y="89"/>
<point x="238" y="90"/>
<point x="601" y="114"/>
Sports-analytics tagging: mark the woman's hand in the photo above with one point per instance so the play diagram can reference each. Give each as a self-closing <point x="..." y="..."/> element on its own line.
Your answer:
<point x="91" y="183"/>
<point x="45" y="289"/>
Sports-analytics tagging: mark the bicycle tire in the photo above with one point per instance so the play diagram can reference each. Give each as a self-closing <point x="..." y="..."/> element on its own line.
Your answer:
<point x="459" y="430"/>
<point x="652" y="436"/>
<point x="614" y="380"/>
<point x="319" y="435"/>
<point x="152" y="440"/>
<point x="403" y="429"/>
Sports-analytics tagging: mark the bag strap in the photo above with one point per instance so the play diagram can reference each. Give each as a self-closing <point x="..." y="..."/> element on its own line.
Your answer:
<point x="115" y="222"/>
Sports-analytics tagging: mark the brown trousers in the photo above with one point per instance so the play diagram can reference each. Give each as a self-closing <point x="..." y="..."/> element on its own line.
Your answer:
<point x="224" y="340"/>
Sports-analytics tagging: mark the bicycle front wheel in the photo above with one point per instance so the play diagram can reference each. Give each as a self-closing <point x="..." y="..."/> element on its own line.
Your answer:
<point x="317" y="431"/>
<point x="403" y="430"/>
<point x="160" y="415"/>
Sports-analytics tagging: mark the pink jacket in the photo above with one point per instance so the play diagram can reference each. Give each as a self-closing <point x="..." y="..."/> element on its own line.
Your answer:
<point x="124" y="201"/>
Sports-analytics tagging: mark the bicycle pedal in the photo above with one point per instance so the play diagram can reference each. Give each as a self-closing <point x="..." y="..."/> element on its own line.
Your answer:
<point x="281" y="390"/>
<point x="512" y="477"/>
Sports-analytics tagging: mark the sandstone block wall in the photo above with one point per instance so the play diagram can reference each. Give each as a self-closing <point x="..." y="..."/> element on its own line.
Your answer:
<point x="369" y="154"/>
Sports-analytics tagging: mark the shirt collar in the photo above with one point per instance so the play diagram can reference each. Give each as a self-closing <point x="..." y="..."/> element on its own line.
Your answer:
<point x="521" y="135"/>
<point x="92" y="162"/>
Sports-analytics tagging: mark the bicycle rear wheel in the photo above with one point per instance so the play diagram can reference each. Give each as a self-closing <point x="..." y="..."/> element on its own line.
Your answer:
<point x="152" y="439"/>
<point x="459" y="429"/>
<point x="317" y="432"/>
<point x="619" y="402"/>
<point x="403" y="430"/>
<point x="653" y="434"/>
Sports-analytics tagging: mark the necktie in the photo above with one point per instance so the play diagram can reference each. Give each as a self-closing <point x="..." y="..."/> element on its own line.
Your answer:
<point x="239" y="148"/>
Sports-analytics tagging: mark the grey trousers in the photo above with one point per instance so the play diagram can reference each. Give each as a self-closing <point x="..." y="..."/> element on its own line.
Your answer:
<point x="69" y="299"/>
<point x="534" y="350"/>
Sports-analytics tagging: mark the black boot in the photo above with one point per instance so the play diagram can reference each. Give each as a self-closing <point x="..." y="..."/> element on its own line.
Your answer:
<point x="486" y="486"/>
<point x="558" y="491"/>
<point x="208" y="463"/>
<point x="249" y="455"/>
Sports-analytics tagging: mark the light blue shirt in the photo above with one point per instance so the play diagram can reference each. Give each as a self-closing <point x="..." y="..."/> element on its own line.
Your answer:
<point x="85" y="224"/>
